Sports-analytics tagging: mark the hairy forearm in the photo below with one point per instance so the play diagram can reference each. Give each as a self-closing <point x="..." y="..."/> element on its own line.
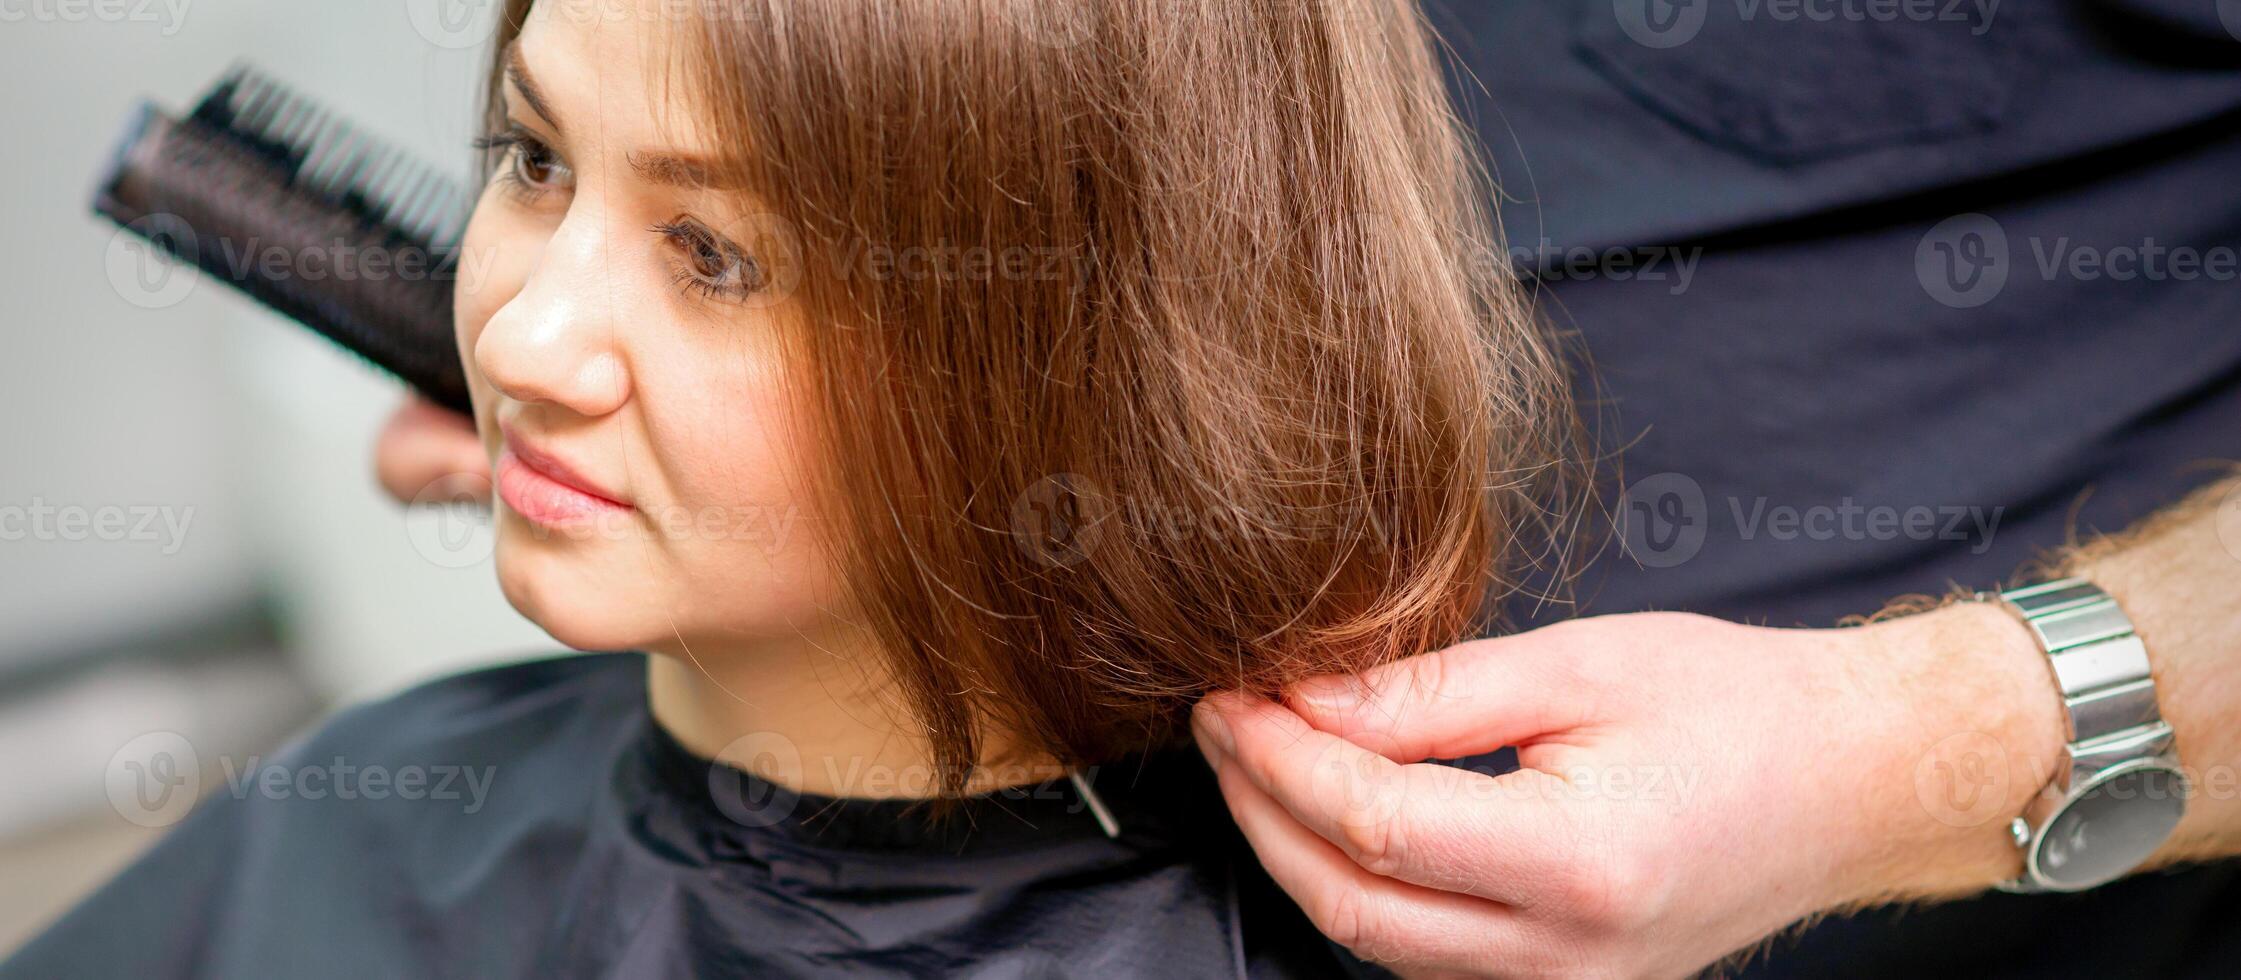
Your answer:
<point x="2178" y="576"/>
<point x="1981" y="731"/>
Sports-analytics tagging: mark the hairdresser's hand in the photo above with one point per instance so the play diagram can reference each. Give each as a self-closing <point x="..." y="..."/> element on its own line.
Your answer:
<point x="1688" y="786"/>
<point x="427" y="454"/>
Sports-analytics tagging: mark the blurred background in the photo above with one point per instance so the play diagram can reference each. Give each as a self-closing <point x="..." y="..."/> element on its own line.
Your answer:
<point x="192" y="545"/>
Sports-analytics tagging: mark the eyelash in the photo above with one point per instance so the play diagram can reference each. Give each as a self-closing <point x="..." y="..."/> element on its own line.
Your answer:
<point x="518" y="145"/>
<point x="741" y="276"/>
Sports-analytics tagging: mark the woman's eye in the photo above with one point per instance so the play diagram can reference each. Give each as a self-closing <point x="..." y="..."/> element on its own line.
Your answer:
<point x="709" y="264"/>
<point x="529" y="166"/>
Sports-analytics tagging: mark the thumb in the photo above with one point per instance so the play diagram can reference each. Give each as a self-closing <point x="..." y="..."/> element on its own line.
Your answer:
<point x="1468" y="699"/>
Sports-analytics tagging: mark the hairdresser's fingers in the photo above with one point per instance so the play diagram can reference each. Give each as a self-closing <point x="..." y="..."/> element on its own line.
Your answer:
<point x="1502" y="838"/>
<point x="426" y="454"/>
<point x="1469" y="699"/>
<point x="1399" y="925"/>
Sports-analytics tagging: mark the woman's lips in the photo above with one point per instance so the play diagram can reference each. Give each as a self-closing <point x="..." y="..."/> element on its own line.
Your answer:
<point x="546" y="497"/>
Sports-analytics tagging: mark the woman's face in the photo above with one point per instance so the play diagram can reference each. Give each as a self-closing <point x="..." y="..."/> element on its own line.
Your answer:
<point x="623" y="355"/>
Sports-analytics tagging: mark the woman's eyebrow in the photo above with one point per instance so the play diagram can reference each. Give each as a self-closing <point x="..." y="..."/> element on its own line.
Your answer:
<point x="669" y="169"/>
<point x="672" y="169"/>
<point x="517" y="71"/>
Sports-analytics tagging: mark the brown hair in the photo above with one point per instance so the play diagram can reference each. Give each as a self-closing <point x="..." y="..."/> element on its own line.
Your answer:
<point x="1262" y="402"/>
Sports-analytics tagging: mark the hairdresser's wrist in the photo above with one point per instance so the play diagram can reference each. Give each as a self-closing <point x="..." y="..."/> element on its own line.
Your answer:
<point x="1973" y="731"/>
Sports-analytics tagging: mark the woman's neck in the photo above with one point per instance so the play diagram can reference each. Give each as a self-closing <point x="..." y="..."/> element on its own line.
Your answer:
<point x="811" y="714"/>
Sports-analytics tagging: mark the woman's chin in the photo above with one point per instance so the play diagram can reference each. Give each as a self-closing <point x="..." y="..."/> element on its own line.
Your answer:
<point x="572" y="606"/>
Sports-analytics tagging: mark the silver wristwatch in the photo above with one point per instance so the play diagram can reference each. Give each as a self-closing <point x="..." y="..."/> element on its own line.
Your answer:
<point x="2119" y="792"/>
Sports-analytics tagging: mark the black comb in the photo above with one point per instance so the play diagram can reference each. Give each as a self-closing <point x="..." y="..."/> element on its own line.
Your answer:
<point x="366" y="238"/>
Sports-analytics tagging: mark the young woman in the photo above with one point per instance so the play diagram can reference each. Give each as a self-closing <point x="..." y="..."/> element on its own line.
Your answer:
<point x="938" y="397"/>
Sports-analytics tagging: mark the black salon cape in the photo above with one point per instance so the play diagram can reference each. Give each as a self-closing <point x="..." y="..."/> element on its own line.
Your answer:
<point x="602" y="848"/>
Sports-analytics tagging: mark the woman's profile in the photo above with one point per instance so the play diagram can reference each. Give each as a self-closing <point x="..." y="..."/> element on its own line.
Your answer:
<point x="927" y="401"/>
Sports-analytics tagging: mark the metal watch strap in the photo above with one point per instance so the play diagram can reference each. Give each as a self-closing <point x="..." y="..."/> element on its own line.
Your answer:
<point x="2099" y="663"/>
<point x="2101" y="667"/>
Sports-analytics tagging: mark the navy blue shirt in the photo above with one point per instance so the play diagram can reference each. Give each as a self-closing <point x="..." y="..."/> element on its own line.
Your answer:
<point x="1881" y="297"/>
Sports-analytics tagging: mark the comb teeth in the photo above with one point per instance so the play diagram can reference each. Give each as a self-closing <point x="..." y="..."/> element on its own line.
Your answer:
<point x="320" y="153"/>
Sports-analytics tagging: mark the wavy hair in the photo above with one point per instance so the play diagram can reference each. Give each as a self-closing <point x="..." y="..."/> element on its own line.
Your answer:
<point x="1159" y="346"/>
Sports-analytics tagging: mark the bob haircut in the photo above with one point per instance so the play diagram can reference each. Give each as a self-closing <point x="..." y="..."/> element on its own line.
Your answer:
<point x="1241" y="393"/>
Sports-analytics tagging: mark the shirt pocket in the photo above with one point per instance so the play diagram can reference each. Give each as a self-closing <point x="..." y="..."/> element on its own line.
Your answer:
<point x="1792" y="81"/>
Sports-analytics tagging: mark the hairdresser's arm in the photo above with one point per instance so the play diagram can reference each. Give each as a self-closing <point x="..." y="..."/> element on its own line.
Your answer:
<point x="428" y="454"/>
<point x="1691" y="786"/>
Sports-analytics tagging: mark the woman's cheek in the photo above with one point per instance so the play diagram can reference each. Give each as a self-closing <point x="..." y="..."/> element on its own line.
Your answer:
<point x="744" y="480"/>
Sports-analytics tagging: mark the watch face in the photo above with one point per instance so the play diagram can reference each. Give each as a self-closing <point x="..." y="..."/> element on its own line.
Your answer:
<point x="2107" y="830"/>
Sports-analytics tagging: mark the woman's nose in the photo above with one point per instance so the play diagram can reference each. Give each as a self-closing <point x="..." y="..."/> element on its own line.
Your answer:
<point x="554" y="341"/>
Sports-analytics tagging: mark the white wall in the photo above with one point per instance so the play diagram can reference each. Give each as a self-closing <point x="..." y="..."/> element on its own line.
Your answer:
<point x="251" y="433"/>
